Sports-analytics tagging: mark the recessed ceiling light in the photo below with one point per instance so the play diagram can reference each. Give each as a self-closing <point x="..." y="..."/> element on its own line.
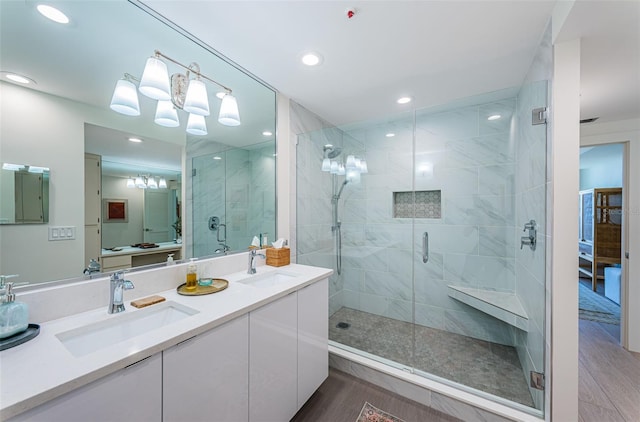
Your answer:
<point x="217" y="157"/>
<point x="494" y="117"/>
<point x="267" y="133"/>
<point x="220" y="94"/>
<point x="390" y="135"/>
<point x="135" y="140"/>
<point x="52" y="13"/>
<point x="17" y="78"/>
<point x="311" y="59"/>
<point x="404" y="100"/>
<point x="328" y="146"/>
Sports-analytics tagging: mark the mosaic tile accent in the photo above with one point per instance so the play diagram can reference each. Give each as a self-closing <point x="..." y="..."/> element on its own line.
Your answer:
<point x="483" y="365"/>
<point x="417" y="204"/>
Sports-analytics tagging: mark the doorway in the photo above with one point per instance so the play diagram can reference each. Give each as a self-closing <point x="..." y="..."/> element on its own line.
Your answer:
<point x="601" y="229"/>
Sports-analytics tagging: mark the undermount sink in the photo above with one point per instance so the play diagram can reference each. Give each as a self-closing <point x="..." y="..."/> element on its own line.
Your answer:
<point x="93" y="337"/>
<point x="269" y="279"/>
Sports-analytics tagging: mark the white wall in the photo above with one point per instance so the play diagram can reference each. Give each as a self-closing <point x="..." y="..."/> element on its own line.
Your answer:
<point x="131" y="232"/>
<point x="46" y="131"/>
<point x="562" y="332"/>
<point x="626" y="131"/>
<point x="601" y="166"/>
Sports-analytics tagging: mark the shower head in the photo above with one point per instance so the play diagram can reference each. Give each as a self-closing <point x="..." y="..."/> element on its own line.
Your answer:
<point x="331" y="151"/>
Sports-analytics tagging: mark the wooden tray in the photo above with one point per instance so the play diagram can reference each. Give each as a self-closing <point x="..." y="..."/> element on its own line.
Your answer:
<point x="218" y="285"/>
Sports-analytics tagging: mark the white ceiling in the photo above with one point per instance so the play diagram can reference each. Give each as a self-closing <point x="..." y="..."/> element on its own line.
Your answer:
<point x="434" y="51"/>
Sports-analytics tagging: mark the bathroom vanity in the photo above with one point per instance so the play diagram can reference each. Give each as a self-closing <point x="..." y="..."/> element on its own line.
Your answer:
<point x="254" y="351"/>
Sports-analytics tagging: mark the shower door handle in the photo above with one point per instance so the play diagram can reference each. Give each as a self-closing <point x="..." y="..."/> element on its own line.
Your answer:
<point x="425" y="247"/>
<point x="225" y="233"/>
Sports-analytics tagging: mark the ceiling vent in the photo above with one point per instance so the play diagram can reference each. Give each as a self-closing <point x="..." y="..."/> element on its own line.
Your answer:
<point x="591" y="120"/>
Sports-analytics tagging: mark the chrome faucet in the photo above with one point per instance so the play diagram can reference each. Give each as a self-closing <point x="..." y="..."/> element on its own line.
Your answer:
<point x="224" y="249"/>
<point x="252" y="260"/>
<point x="94" y="267"/>
<point x="116" y="295"/>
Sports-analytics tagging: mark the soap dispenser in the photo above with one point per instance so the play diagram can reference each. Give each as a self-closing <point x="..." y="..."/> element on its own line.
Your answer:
<point x="192" y="275"/>
<point x="14" y="316"/>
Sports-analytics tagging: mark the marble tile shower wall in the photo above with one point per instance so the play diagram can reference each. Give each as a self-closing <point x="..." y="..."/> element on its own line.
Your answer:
<point x="472" y="161"/>
<point x="239" y="188"/>
<point x="262" y="192"/>
<point x="531" y="181"/>
<point x="314" y="239"/>
<point x="209" y="192"/>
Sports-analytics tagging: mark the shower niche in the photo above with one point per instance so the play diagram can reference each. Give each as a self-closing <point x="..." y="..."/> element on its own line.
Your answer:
<point x="417" y="204"/>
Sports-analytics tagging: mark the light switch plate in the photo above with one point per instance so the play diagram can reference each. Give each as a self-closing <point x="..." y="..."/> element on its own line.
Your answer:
<point x="62" y="233"/>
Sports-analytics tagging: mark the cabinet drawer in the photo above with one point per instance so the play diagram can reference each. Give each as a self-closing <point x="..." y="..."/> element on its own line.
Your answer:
<point x="123" y="261"/>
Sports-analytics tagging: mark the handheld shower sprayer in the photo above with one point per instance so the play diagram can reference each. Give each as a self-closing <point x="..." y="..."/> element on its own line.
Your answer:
<point x="331" y="152"/>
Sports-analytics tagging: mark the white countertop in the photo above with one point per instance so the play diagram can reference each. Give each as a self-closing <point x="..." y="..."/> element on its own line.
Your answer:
<point x="42" y="369"/>
<point x="130" y="250"/>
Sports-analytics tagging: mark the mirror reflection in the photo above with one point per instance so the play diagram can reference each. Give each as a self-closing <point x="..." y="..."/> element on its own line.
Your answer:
<point x="24" y="194"/>
<point x="65" y="111"/>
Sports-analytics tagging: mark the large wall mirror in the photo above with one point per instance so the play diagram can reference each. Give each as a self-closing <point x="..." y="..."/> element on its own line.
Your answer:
<point x="62" y="120"/>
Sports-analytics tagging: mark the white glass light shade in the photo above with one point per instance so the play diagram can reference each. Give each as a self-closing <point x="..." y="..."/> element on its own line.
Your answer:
<point x="326" y="164"/>
<point x="140" y="183"/>
<point x="131" y="183"/>
<point x="152" y="184"/>
<point x="229" y="115"/>
<point x="166" y="114"/>
<point x="155" y="80"/>
<point x="363" y="166"/>
<point x="334" y="167"/>
<point x="196" y="125"/>
<point x="196" y="101"/>
<point x="125" y="98"/>
<point x="353" y="176"/>
<point x="351" y="162"/>
<point x="341" y="170"/>
<point x="162" y="184"/>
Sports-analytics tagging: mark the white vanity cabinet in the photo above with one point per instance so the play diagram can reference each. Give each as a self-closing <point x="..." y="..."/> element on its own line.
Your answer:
<point x="260" y="366"/>
<point x="289" y="356"/>
<point x="131" y="394"/>
<point x="273" y="340"/>
<point x="206" y="378"/>
<point x="313" y="339"/>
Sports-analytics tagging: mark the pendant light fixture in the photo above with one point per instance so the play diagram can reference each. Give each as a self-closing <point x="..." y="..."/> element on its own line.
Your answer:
<point x="196" y="125"/>
<point x="166" y="114"/>
<point x="140" y="183"/>
<point x="229" y="115"/>
<point x="146" y="181"/>
<point x="197" y="100"/>
<point x="125" y="97"/>
<point x="155" y="79"/>
<point x="180" y="92"/>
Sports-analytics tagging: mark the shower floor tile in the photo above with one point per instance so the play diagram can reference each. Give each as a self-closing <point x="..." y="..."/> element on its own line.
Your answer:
<point x="486" y="366"/>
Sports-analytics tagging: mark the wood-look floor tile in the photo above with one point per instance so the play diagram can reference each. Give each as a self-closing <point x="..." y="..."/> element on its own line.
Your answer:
<point x="593" y="413"/>
<point x="613" y="370"/>
<point x="341" y="397"/>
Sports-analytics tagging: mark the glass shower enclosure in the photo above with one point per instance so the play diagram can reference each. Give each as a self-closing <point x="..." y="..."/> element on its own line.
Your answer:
<point x="438" y="246"/>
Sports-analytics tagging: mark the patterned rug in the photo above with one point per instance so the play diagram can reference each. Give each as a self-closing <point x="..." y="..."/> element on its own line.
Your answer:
<point x="371" y="413"/>
<point x="594" y="307"/>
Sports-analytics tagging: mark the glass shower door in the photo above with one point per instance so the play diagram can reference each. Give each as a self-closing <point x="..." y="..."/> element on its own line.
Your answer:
<point x="479" y="298"/>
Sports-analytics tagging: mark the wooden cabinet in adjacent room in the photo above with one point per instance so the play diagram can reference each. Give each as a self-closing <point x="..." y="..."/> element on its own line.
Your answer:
<point x="599" y="231"/>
